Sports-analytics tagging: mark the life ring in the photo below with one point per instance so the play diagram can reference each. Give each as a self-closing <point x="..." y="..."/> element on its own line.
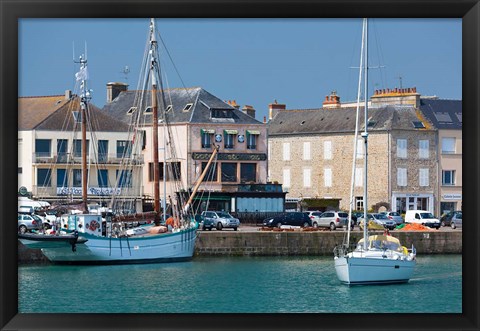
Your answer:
<point x="94" y="225"/>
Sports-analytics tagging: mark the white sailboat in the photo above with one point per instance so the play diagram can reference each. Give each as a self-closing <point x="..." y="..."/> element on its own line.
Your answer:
<point x="90" y="238"/>
<point x="375" y="259"/>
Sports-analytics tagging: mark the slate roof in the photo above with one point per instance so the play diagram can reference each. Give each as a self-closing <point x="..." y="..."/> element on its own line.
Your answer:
<point x="54" y="113"/>
<point x="341" y="120"/>
<point x="200" y="112"/>
<point x="444" y="114"/>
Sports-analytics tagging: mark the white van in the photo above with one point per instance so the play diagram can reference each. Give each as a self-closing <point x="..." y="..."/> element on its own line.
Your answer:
<point x="422" y="217"/>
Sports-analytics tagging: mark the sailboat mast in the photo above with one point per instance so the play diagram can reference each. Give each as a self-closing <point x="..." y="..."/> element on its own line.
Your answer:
<point x="156" y="166"/>
<point x="85" y="95"/>
<point x="365" y="137"/>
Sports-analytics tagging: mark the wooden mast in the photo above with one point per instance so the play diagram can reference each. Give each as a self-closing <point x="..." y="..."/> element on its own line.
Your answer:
<point x="156" y="166"/>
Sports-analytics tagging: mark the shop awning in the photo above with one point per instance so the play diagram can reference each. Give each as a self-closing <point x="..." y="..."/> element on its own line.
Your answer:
<point x="253" y="132"/>
<point x="208" y="131"/>
<point x="231" y="131"/>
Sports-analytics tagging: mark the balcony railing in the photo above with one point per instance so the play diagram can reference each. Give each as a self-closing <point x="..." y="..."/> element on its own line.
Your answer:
<point x="66" y="158"/>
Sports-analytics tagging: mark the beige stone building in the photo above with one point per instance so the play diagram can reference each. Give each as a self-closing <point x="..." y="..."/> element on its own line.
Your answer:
<point x="311" y="153"/>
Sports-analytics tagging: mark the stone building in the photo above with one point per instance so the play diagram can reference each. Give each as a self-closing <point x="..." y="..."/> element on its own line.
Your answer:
<point x="311" y="153"/>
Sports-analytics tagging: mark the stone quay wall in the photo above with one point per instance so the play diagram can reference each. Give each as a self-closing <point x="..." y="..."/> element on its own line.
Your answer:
<point x="291" y="243"/>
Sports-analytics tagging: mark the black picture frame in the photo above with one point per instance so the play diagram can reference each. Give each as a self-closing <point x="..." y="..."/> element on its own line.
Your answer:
<point x="11" y="11"/>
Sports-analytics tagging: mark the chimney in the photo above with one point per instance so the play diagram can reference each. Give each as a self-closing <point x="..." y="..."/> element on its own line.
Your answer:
<point x="274" y="108"/>
<point x="234" y="104"/>
<point x="249" y="110"/>
<point x="68" y="94"/>
<point x="264" y="119"/>
<point x="332" y="100"/>
<point x="114" y="89"/>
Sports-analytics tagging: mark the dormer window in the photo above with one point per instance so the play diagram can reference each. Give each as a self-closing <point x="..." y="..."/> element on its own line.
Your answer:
<point x="222" y="113"/>
<point x="418" y="125"/>
<point x="77" y="116"/>
<point x="131" y="110"/>
<point x="169" y="107"/>
<point x="148" y="110"/>
<point x="188" y="106"/>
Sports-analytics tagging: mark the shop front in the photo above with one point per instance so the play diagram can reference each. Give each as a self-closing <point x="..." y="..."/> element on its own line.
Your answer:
<point x="401" y="202"/>
<point x="450" y="201"/>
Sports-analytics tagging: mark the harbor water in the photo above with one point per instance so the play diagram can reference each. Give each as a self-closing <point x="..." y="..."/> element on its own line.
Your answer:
<point x="236" y="285"/>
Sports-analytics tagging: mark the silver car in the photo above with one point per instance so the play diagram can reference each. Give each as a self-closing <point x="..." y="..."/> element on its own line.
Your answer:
<point x="332" y="219"/>
<point x="221" y="219"/>
<point x="394" y="216"/>
<point x="29" y="223"/>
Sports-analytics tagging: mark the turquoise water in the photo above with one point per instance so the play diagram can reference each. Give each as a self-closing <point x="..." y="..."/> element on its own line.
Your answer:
<point x="236" y="285"/>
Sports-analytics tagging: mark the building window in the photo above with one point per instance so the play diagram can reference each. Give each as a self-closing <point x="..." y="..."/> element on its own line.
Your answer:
<point x="448" y="177"/>
<point x="401" y="177"/>
<point x="174" y="170"/>
<point x="359" y="203"/>
<point x="212" y="173"/>
<point x="77" y="147"/>
<point x="360" y="143"/>
<point x="423" y="177"/>
<point x="44" y="178"/>
<point x="230" y="138"/>
<point x="62" y="150"/>
<point x="102" y="177"/>
<point x="307" y="175"/>
<point x="423" y="149"/>
<point x="20" y="170"/>
<point x="358" y="177"/>
<point x="42" y="147"/>
<point x="77" y="177"/>
<point x="124" y="178"/>
<point x="206" y="138"/>
<point x="102" y="151"/>
<point x="286" y="177"/>
<point x="306" y="150"/>
<point x="327" y="174"/>
<point x="124" y="148"/>
<point x="229" y="172"/>
<point x="62" y="179"/>
<point x="448" y="145"/>
<point x="286" y="151"/>
<point x="77" y="116"/>
<point x="248" y="172"/>
<point x="402" y="148"/>
<point x="252" y="139"/>
<point x="269" y="150"/>
<point x="327" y="150"/>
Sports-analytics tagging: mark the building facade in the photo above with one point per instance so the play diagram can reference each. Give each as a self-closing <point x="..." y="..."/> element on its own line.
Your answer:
<point x="312" y="152"/>
<point x="49" y="150"/>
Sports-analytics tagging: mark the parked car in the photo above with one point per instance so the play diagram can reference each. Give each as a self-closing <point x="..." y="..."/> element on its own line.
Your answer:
<point x="422" y="217"/>
<point x="314" y="216"/>
<point x="28" y="223"/>
<point x="204" y="223"/>
<point x="290" y="218"/>
<point x="380" y="219"/>
<point x="394" y="216"/>
<point x="333" y="219"/>
<point x="221" y="219"/>
<point x="452" y="219"/>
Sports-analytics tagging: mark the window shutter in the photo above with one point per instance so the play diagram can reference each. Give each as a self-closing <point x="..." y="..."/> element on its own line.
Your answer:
<point x="358" y="177"/>
<point x="423" y="177"/>
<point x="401" y="177"/>
<point x="402" y="148"/>
<point x="286" y="177"/>
<point x="360" y="152"/>
<point x="327" y="150"/>
<point x="306" y="150"/>
<point x="286" y="151"/>
<point x="328" y="177"/>
<point x="307" y="173"/>
<point x="423" y="149"/>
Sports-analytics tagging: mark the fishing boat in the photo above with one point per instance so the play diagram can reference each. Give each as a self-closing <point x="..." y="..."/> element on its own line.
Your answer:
<point x="379" y="258"/>
<point x="106" y="237"/>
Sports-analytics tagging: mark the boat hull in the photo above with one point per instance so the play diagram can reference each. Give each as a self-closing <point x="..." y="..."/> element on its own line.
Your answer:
<point x="365" y="270"/>
<point x="167" y="247"/>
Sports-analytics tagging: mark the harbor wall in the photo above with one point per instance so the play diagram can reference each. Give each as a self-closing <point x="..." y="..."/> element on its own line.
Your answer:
<point x="291" y="243"/>
<point x="229" y="243"/>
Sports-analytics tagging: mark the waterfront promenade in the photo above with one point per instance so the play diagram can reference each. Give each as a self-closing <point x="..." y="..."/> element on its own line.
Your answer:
<point x="251" y="241"/>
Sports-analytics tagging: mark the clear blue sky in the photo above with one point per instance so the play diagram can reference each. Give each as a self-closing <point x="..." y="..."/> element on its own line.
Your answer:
<point x="253" y="61"/>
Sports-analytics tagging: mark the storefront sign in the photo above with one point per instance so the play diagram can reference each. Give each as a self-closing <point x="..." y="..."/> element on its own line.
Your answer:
<point x="452" y="196"/>
<point x="231" y="156"/>
<point x="90" y="191"/>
